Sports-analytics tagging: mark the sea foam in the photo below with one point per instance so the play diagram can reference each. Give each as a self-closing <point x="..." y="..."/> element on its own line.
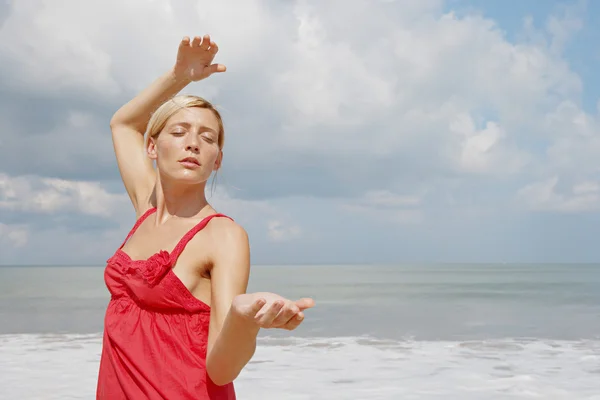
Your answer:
<point x="64" y="366"/>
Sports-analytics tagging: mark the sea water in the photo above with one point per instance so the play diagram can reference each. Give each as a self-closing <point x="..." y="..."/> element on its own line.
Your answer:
<point x="377" y="332"/>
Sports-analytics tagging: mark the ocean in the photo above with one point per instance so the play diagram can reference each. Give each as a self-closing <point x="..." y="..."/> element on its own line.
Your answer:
<point x="377" y="332"/>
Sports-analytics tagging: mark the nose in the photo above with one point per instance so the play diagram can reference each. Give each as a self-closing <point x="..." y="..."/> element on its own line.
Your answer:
<point x="192" y="144"/>
<point x="193" y="148"/>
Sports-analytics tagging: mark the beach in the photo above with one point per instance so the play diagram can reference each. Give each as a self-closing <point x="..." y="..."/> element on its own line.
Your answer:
<point x="378" y="332"/>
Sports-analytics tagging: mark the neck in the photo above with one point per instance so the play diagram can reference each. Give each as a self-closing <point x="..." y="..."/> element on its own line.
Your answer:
<point x="176" y="200"/>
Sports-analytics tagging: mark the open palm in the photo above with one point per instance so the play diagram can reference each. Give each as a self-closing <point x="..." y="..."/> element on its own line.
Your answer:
<point x="195" y="58"/>
<point x="269" y="310"/>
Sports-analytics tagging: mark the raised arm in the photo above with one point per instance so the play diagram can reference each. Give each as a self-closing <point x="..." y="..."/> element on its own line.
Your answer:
<point x="128" y="124"/>
<point x="236" y="317"/>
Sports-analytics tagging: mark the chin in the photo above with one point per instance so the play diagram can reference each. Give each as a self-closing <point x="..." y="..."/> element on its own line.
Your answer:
<point x="185" y="177"/>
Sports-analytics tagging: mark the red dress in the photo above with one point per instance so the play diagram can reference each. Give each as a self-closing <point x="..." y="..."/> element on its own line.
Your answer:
<point x="155" y="330"/>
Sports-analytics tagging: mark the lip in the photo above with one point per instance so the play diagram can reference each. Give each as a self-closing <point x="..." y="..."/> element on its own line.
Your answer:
<point x="190" y="162"/>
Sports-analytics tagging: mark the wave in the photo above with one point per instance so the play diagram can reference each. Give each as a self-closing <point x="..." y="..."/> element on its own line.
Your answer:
<point x="64" y="366"/>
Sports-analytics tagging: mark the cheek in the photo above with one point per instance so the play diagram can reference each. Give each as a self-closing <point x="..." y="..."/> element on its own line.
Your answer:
<point x="166" y="149"/>
<point x="211" y="153"/>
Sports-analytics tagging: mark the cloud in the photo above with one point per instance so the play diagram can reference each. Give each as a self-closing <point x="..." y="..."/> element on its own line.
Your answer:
<point x="15" y="235"/>
<point x="334" y="101"/>
<point x="269" y="222"/>
<point x="546" y="196"/>
<point x="278" y="232"/>
<point x="68" y="59"/>
<point x="564" y="26"/>
<point x="51" y="195"/>
<point x="392" y="111"/>
<point x="57" y="217"/>
<point x="484" y="151"/>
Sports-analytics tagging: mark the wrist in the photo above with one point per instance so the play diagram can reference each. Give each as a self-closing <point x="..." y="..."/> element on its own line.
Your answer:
<point x="179" y="77"/>
<point x="239" y="315"/>
<point x="242" y="323"/>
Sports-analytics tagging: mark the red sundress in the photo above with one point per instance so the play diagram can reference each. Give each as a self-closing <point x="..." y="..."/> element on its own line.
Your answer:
<point x="155" y="330"/>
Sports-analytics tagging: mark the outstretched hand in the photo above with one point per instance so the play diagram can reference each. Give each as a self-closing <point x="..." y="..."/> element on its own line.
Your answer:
<point x="195" y="58"/>
<point x="269" y="310"/>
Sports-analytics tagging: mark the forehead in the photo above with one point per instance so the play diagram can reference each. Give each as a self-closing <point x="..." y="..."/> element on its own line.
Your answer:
<point x="195" y="117"/>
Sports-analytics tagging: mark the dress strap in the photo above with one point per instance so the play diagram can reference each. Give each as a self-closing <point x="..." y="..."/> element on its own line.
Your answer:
<point x="137" y="225"/>
<point x="191" y="233"/>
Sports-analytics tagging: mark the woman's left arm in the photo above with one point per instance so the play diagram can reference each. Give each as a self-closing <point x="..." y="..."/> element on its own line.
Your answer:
<point x="236" y="317"/>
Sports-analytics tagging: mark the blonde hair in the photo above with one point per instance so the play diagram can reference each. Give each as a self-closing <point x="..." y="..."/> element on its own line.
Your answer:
<point x="159" y="118"/>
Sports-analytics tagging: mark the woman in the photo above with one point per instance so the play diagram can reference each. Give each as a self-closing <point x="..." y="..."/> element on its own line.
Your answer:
<point x="179" y="324"/>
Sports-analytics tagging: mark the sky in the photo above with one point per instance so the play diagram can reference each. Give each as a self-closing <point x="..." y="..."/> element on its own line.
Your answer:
<point x="356" y="131"/>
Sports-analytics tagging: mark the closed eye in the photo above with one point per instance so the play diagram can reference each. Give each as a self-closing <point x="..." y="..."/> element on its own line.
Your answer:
<point x="208" y="138"/>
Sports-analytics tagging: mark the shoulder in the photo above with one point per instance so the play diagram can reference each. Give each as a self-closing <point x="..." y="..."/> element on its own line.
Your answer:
<point x="228" y="231"/>
<point x="228" y="239"/>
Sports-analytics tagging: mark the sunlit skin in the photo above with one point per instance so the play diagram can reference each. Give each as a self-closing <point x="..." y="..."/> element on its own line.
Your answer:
<point x="190" y="133"/>
<point x="215" y="265"/>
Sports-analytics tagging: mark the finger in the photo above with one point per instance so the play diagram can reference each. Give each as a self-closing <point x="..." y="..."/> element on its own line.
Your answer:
<point x="305" y="303"/>
<point x="213" y="47"/>
<point x="196" y="41"/>
<point x="185" y="42"/>
<point x="266" y="319"/>
<point x="214" y="68"/>
<point x="205" y="42"/>
<point x="294" y="322"/>
<point x="288" y="312"/>
<point x="257" y="306"/>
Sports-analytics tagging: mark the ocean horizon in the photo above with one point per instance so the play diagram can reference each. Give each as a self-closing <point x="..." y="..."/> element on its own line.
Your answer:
<point x="410" y="331"/>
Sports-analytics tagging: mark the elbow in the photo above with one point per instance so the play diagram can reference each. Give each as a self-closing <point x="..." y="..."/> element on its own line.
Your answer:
<point x="221" y="377"/>
<point x="114" y="126"/>
<point x="222" y="372"/>
<point x="119" y="124"/>
<point x="220" y="382"/>
<point x="115" y="122"/>
<point x="121" y="119"/>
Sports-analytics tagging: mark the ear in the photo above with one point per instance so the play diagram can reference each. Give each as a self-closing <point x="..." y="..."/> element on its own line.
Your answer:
<point x="219" y="161"/>
<point x="151" y="148"/>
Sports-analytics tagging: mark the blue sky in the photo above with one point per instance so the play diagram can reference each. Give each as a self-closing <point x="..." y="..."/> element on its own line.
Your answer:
<point x="581" y="54"/>
<point x="357" y="132"/>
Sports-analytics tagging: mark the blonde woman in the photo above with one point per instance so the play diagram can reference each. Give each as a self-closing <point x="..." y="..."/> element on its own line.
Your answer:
<point x="179" y="324"/>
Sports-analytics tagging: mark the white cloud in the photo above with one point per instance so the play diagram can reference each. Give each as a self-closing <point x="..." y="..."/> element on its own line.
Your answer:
<point x="332" y="85"/>
<point x="35" y="196"/>
<point x="14" y="235"/>
<point x="484" y="151"/>
<point x="545" y="196"/>
<point x="562" y="27"/>
<point x="576" y="145"/>
<point x="51" y="195"/>
<point x="47" y="53"/>
<point x="405" y="87"/>
<point x="279" y="232"/>
<point x="376" y="99"/>
<point x="279" y="226"/>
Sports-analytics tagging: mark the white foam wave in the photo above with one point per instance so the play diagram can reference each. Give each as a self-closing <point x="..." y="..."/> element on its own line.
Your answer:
<point x="65" y="366"/>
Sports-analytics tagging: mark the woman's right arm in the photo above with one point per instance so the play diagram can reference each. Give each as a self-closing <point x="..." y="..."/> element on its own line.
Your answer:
<point x="128" y="124"/>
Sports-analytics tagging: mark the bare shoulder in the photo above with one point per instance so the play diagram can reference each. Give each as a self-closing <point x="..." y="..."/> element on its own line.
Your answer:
<point x="227" y="242"/>
<point x="227" y="234"/>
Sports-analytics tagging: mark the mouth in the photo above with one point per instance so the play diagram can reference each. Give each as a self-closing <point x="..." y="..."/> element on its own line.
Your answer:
<point x="190" y="162"/>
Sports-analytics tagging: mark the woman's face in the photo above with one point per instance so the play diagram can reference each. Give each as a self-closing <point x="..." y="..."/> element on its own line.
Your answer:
<point x="187" y="149"/>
